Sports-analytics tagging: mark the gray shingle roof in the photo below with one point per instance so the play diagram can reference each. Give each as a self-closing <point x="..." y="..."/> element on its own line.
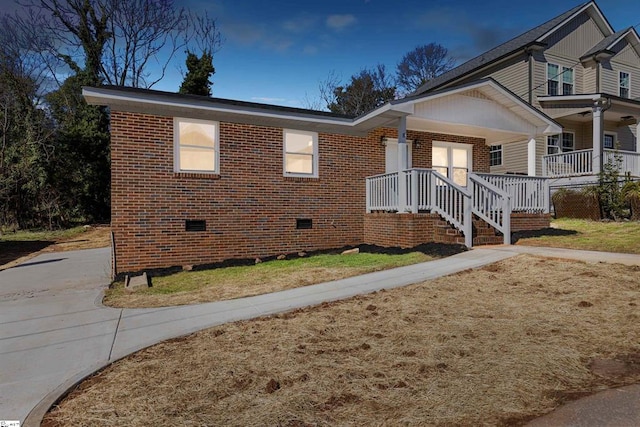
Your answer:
<point x="498" y="52"/>
<point x="606" y="42"/>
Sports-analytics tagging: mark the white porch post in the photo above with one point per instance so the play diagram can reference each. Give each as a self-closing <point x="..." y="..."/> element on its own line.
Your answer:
<point x="402" y="164"/>
<point x="531" y="157"/>
<point x="638" y="138"/>
<point x="598" y="135"/>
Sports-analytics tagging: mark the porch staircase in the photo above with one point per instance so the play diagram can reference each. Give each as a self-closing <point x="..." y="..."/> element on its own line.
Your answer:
<point x="483" y="233"/>
<point x="474" y="215"/>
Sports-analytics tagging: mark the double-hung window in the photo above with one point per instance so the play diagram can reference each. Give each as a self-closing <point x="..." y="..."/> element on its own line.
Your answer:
<point x="556" y="76"/>
<point x="495" y="155"/>
<point x="609" y="140"/>
<point x="196" y="146"/>
<point x="560" y="143"/>
<point x="624" y="84"/>
<point x="300" y="152"/>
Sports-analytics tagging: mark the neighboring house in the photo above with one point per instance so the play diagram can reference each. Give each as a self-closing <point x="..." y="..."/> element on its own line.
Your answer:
<point x="198" y="180"/>
<point x="579" y="71"/>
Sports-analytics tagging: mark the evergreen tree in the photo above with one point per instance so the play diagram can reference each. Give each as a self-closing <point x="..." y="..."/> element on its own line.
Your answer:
<point x="199" y="71"/>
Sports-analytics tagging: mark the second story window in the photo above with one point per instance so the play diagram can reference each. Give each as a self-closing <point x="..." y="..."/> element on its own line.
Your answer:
<point x="560" y="80"/>
<point x="624" y="84"/>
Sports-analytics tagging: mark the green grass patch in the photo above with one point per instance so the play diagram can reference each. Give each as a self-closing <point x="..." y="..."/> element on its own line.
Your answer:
<point x="40" y="235"/>
<point x="234" y="282"/>
<point x="622" y="237"/>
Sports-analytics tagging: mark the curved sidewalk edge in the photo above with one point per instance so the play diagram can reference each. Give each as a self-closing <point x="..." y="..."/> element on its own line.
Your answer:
<point x="618" y="407"/>
<point x="141" y="328"/>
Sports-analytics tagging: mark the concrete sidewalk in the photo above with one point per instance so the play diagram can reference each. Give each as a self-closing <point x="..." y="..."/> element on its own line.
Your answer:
<point x="52" y="336"/>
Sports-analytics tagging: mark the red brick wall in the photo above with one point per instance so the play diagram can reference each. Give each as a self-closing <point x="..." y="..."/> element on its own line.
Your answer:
<point x="399" y="230"/>
<point x="250" y="208"/>
<point x="529" y="221"/>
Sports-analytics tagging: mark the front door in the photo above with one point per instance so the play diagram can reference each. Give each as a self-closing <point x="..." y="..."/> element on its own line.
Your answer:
<point x="453" y="160"/>
<point x="391" y="151"/>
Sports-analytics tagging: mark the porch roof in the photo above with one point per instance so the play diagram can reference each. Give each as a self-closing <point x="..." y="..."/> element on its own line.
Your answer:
<point x="483" y="109"/>
<point x="579" y="107"/>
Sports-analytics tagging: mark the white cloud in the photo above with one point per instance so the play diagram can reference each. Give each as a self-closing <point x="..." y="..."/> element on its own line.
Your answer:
<point x="340" y="22"/>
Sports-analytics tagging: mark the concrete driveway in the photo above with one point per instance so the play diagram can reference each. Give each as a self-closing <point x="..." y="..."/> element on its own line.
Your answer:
<point x="50" y="325"/>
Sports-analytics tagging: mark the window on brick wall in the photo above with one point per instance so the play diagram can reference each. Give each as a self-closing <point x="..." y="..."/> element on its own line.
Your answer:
<point x="495" y="155"/>
<point x="300" y="152"/>
<point x="196" y="145"/>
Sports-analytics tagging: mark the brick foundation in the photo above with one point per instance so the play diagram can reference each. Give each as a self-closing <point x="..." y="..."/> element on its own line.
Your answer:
<point x="529" y="221"/>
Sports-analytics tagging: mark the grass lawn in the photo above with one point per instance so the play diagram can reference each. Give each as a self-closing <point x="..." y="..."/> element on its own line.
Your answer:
<point x="491" y="346"/>
<point x="621" y="237"/>
<point x="191" y="287"/>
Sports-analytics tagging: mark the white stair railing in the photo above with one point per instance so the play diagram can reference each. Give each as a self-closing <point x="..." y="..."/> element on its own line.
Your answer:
<point x="426" y="190"/>
<point x="528" y="193"/>
<point x="491" y="204"/>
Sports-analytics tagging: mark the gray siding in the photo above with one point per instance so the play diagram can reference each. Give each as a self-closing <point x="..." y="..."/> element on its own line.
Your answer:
<point x="589" y="83"/>
<point x="512" y="74"/>
<point x="626" y="60"/>
<point x="514" y="158"/>
<point x="574" y="39"/>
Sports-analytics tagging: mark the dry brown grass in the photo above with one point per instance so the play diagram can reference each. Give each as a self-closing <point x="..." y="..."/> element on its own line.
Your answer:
<point x="496" y="345"/>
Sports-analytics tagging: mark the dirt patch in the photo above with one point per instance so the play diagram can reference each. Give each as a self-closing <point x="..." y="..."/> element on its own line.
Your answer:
<point x="468" y="349"/>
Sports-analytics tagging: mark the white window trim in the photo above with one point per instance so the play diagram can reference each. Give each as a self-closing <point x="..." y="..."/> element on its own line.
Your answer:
<point x="176" y="145"/>
<point x="615" y="139"/>
<point x="620" y="87"/>
<point x="314" y="135"/>
<point x="501" y="155"/>
<point x="573" y="82"/>
<point x="468" y="147"/>
<point x="556" y="78"/>
<point x="559" y="78"/>
<point x="560" y="146"/>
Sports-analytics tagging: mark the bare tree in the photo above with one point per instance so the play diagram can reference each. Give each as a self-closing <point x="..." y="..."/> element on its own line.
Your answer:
<point x="421" y="65"/>
<point x="366" y="90"/>
<point x="121" y="42"/>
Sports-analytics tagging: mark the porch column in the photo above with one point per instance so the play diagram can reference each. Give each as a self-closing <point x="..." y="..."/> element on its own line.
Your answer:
<point x="638" y="138"/>
<point x="402" y="164"/>
<point x="598" y="136"/>
<point x="531" y="157"/>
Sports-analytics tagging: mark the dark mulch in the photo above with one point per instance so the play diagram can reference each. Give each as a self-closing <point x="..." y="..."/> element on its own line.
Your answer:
<point x="540" y="233"/>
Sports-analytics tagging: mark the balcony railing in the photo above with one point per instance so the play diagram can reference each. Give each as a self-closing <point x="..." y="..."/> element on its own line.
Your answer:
<point x="580" y="163"/>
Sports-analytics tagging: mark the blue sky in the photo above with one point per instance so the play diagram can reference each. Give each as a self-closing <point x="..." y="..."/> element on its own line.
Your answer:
<point x="277" y="51"/>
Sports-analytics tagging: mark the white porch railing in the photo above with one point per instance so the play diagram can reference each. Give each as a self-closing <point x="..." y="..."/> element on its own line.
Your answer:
<point x="577" y="163"/>
<point x="527" y="193"/>
<point x="629" y="161"/>
<point x="427" y="190"/>
<point x="573" y="163"/>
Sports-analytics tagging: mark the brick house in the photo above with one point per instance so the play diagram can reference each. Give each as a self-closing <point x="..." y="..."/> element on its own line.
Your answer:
<point x="198" y="180"/>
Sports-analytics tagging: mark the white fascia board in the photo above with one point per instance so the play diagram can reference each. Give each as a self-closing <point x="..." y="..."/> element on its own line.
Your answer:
<point x="99" y="95"/>
<point x="550" y="130"/>
<point x="570" y="98"/>
<point x="591" y="4"/>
